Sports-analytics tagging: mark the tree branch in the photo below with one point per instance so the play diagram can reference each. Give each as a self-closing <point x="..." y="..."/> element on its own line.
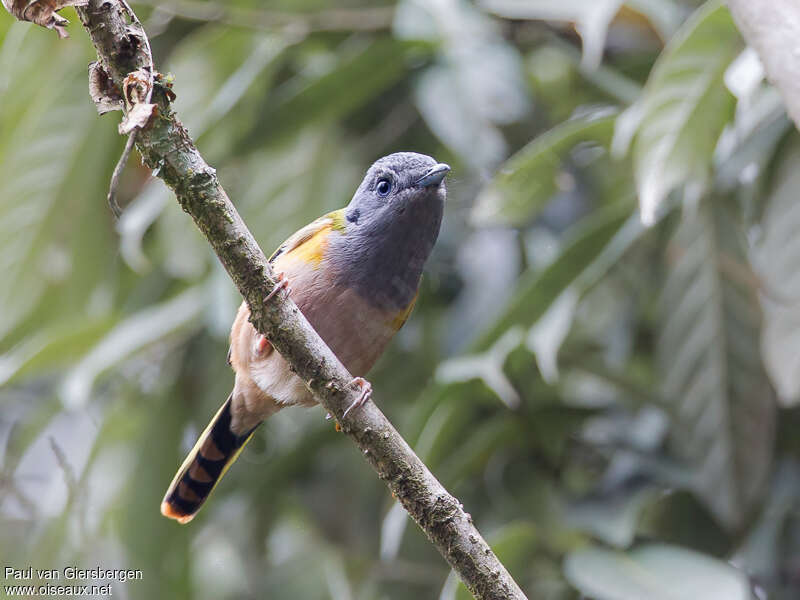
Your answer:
<point x="773" y="30"/>
<point x="166" y="147"/>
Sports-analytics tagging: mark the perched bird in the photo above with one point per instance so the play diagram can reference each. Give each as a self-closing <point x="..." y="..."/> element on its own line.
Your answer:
<point x="354" y="273"/>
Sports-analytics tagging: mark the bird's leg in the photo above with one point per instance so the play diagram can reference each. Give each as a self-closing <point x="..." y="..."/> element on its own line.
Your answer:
<point x="283" y="283"/>
<point x="366" y="394"/>
<point x="262" y="344"/>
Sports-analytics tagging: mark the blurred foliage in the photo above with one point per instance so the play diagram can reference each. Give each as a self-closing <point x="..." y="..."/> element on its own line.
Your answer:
<point x="616" y="405"/>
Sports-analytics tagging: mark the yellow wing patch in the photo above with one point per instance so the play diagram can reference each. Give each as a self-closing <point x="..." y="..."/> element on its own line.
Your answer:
<point x="312" y="249"/>
<point x="310" y="243"/>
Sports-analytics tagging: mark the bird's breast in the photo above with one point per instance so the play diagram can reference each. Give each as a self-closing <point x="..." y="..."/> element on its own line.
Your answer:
<point x="356" y="329"/>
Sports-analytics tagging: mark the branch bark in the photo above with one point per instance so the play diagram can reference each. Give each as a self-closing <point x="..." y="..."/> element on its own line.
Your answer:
<point x="166" y="147"/>
<point x="773" y="30"/>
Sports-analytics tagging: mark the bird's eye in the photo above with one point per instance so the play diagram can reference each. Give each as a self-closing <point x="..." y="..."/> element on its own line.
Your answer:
<point x="384" y="187"/>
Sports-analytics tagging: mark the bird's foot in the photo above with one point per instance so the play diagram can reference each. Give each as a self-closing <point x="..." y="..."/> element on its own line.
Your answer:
<point x="283" y="284"/>
<point x="262" y="343"/>
<point x="366" y="394"/>
<point x="336" y="424"/>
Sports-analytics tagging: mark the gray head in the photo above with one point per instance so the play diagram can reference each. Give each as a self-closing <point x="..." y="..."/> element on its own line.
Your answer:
<point x="396" y="184"/>
<point x="392" y="223"/>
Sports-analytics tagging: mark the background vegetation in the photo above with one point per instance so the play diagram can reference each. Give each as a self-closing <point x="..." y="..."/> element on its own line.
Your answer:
<point x="616" y="405"/>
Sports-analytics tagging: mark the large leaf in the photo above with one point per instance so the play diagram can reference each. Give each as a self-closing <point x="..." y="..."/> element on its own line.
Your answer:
<point x="44" y="154"/>
<point x="50" y="348"/>
<point x="684" y="108"/>
<point x="476" y="83"/>
<point x="131" y="335"/>
<point x="526" y="181"/>
<point x="744" y="151"/>
<point x="591" y="19"/>
<point x="655" y="572"/>
<point x="219" y="70"/>
<point x="714" y="382"/>
<point x="359" y="72"/>
<point x="612" y="518"/>
<point x="593" y="246"/>
<point x="777" y="259"/>
<point x="764" y="552"/>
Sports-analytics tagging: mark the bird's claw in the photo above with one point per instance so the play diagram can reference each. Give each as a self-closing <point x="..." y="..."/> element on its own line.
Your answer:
<point x="283" y="284"/>
<point x="366" y="394"/>
<point x="261" y="343"/>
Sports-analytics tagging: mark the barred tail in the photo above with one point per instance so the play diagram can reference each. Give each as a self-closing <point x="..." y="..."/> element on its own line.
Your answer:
<point x="211" y="456"/>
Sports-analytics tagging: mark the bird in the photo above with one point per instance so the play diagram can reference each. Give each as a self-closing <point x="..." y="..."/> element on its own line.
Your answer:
<point x="354" y="273"/>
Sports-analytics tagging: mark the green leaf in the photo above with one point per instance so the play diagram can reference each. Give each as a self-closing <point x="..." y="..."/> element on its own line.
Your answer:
<point x="50" y="348"/>
<point x="50" y="142"/>
<point x="714" y="383"/>
<point x="612" y="518"/>
<point x="458" y="409"/>
<point x="777" y="260"/>
<point x="591" y="19"/>
<point x="529" y="179"/>
<point x="290" y="185"/>
<point x="361" y="73"/>
<point x="131" y="335"/>
<point x="745" y="149"/>
<point x="469" y="457"/>
<point x="678" y="517"/>
<point x="655" y="572"/>
<point x="220" y="70"/>
<point x="763" y="553"/>
<point x="476" y="83"/>
<point x="487" y="366"/>
<point x="684" y="108"/>
<point x="594" y="244"/>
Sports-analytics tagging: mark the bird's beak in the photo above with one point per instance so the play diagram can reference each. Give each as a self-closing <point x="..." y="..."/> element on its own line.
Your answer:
<point x="434" y="176"/>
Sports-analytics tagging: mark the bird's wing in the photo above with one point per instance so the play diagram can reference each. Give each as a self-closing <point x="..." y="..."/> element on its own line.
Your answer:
<point x="333" y="220"/>
<point x="303" y="242"/>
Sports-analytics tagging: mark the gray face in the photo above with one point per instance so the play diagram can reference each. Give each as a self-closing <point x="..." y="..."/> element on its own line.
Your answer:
<point x="393" y="221"/>
<point x="395" y="184"/>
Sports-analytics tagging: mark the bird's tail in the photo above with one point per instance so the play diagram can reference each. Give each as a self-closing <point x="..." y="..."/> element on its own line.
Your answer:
<point x="215" y="451"/>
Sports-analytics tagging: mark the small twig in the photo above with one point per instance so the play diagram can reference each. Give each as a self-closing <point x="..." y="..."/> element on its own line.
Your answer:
<point x="123" y="160"/>
<point x="115" y="177"/>
<point x="148" y="52"/>
<point x="75" y="491"/>
<point x="69" y="475"/>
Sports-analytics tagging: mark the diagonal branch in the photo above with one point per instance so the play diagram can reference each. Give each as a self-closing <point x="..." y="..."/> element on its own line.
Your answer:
<point x="166" y="147"/>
